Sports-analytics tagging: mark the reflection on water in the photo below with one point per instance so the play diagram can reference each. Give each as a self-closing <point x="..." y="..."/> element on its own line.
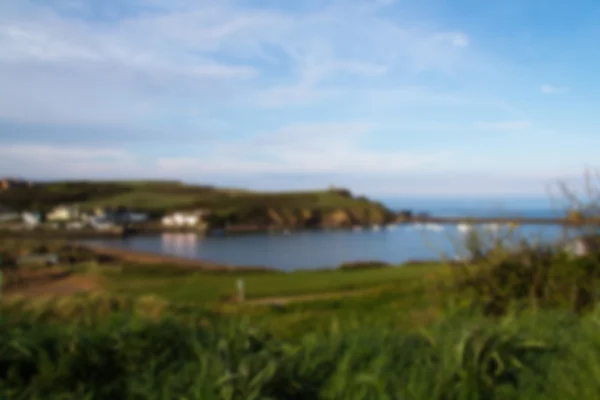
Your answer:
<point x="179" y="244"/>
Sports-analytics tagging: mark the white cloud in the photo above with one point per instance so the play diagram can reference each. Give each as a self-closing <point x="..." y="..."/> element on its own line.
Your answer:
<point x="49" y="161"/>
<point x="311" y="148"/>
<point x="57" y="153"/>
<point x="457" y="39"/>
<point x="504" y="125"/>
<point x="189" y="50"/>
<point x="551" y="89"/>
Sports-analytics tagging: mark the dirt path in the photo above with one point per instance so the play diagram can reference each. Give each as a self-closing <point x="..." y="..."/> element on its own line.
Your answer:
<point x="283" y="300"/>
<point x="50" y="282"/>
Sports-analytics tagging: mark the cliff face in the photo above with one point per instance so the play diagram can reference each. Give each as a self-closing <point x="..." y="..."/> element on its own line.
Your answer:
<point x="296" y="218"/>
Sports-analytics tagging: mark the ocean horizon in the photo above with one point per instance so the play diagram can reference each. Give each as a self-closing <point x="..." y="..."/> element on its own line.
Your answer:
<point x="526" y="207"/>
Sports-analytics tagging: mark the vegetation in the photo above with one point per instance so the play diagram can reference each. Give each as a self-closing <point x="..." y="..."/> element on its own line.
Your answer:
<point x="464" y="357"/>
<point x="228" y="206"/>
<point x="516" y="321"/>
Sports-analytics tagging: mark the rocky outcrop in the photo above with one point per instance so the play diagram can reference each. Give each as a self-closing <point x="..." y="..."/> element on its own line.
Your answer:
<point x="337" y="219"/>
<point x="349" y="213"/>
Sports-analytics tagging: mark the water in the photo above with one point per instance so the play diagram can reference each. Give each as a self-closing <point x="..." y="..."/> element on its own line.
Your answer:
<point x="321" y="249"/>
<point x="482" y="207"/>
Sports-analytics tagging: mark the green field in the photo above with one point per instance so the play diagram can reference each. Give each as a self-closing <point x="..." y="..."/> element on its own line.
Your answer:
<point x="203" y="288"/>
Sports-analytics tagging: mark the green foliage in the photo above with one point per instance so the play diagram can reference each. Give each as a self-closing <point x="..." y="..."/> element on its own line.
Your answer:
<point x="463" y="357"/>
<point x="360" y="265"/>
<point x="533" y="278"/>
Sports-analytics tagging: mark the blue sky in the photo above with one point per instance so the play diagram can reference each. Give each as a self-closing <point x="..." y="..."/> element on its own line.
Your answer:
<point x="385" y="97"/>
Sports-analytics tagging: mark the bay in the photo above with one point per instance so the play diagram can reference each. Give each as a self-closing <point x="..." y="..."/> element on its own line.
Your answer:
<point x="326" y="249"/>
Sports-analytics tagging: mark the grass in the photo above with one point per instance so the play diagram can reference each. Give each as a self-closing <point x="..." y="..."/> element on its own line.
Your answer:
<point x="541" y="356"/>
<point x="143" y="200"/>
<point x="202" y="288"/>
<point x="159" y="196"/>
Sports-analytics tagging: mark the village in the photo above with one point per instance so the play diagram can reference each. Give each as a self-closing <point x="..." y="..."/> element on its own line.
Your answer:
<point x="72" y="218"/>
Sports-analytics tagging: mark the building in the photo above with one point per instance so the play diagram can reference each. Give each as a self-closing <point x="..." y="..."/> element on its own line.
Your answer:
<point x="583" y="246"/>
<point x="31" y="219"/>
<point x="126" y="217"/>
<point x="101" y="224"/>
<point x="63" y="213"/>
<point x="184" y="219"/>
<point x="74" y="225"/>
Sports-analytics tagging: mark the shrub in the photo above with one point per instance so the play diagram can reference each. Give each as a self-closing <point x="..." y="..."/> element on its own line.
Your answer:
<point x="361" y="265"/>
<point x="535" y="277"/>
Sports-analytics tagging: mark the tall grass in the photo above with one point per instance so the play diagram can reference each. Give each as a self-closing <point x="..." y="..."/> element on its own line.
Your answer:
<point x="462" y="357"/>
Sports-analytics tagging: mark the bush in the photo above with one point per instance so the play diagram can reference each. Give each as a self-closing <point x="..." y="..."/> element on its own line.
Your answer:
<point x="361" y="265"/>
<point x="534" y="278"/>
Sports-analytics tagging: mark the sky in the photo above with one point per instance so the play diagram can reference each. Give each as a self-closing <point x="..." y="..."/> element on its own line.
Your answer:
<point x="385" y="97"/>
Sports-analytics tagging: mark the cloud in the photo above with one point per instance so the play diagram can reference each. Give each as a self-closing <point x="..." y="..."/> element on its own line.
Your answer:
<point x="205" y="90"/>
<point x="123" y="64"/>
<point x="504" y="125"/>
<point x="327" y="148"/>
<point x="457" y="39"/>
<point x="307" y="90"/>
<point x="36" y="161"/>
<point x="551" y="89"/>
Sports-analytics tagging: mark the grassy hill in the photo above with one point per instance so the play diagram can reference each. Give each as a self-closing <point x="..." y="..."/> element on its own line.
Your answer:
<point x="338" y="206"/>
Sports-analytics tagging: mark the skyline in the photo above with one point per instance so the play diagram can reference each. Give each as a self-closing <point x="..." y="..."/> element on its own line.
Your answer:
<point x="384" y="97"/>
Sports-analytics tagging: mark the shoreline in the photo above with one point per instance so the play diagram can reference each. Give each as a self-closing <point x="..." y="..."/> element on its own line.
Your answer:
<point x="190" y="264"/>
<point x="236" y="231"/>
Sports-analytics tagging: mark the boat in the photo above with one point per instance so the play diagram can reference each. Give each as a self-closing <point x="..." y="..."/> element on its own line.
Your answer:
<point x="492" y="227"/>
<point x="434" y="227"/>
<point x="464" y="228"/>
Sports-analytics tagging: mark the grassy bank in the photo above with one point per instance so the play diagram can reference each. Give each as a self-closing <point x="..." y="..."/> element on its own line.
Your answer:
<point x="541" y="356"/>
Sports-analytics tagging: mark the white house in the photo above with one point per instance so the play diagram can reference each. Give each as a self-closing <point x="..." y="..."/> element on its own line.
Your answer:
<point x="183" y="219"/>
<point x="63" y="213"/>
<point x="583" y="246"/>
<point x="30" y="219"/>
<point x="101" y="224"/>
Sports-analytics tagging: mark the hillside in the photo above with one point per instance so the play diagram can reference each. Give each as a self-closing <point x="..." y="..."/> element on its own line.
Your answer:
<point x="334" y="207"/>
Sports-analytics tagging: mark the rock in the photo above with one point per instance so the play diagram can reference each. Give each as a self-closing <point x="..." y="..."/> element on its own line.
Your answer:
<point x="337" y="219"/>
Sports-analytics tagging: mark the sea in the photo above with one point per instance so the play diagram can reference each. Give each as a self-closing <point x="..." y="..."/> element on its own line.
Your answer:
<point x="396" y="244"/>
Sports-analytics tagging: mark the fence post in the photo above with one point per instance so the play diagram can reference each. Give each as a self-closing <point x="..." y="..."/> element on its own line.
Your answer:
<point x="240" y="287"/>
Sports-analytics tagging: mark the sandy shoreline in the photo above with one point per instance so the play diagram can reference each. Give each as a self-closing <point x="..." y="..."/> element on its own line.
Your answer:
<point x="149" y="258"/>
